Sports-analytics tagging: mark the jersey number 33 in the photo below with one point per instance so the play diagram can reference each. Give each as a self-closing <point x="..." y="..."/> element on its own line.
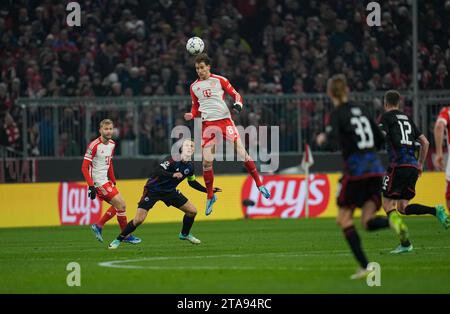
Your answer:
<point x="364" y="131"/>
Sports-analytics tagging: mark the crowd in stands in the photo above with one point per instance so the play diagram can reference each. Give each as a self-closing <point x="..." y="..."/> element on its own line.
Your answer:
<point x="137" y="48"/>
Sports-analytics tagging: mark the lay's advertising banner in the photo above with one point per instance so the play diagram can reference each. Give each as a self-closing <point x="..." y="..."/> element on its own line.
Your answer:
<point x="66" y="203"/>
<point x="288" y="197"/>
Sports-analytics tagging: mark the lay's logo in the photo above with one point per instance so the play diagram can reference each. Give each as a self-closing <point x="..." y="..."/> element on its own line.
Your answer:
<point x="75" y="207"/>
<point x="288" y="197"/>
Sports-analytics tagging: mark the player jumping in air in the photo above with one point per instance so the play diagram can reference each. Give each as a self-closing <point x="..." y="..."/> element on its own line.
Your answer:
<point x="442" y="124"/>
<point x="399" y="183"/>
<point x="360" y="186"/>
<point x="162" y="187"/>
<point x="208" y="101"/>
<point x="98" y="172"/>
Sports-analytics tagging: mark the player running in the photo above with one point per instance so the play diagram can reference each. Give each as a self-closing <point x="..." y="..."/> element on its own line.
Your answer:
<point x="442" y="124"/>
<point x="399" y="183"/>
<point x="360" y="186"/>
<point x="208" y="101"/>
<point x="98" y="172"/>
<point x="162" y="187"/>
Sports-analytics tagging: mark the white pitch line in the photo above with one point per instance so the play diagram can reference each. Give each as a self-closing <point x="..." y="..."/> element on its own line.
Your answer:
<point x="120" y="263"/>
<point x="116" y="263"/>
<point x="207" y="267"/>
<point x="295" y="268"/>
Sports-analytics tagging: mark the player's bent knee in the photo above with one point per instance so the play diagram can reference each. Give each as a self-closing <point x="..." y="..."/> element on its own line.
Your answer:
<point x="345" y="224"/>
<point x="401" y="207"/>
<point x="189" y="209"/>
<point x="338" y="221"/>
<point x="341" y="222"/>
<point x="140" y="217"/>
<point x="191" y="214"/>
<point x="344" y="220"/>
<point x="138" y="220"/>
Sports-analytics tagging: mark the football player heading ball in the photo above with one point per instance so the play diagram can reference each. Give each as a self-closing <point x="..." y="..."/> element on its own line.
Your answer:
<point x="208" y="94"/>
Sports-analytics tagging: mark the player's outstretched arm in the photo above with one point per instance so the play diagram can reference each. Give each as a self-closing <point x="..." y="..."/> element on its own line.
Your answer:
<point x="329" y="139"/>
<point x="196" y="185"/>
<point x="383" y="125"/>
<point x="160" y="172"/>
<point x="87" y="176"/>
<point x="378" y="133"/>
<point x="193" y="183"/>
<point x="85" y="170"/>
<point x="111" y="175"/>
<point x="230" y="90"/>
<point x="424" y="145"/>
<point x="194" y="109"/>
<point x="165" y="169"/>
<point x="439" y="129"/>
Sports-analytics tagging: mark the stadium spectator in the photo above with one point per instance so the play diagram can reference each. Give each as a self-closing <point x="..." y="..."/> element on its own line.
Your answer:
<point x="322" y="36"/>
<point x="12" y="132"/>
<point x="136" y="48"/>
<point x="46" y="134"/>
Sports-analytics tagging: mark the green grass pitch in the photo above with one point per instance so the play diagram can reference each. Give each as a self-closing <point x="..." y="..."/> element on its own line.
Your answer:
<point x="245" y="256"/>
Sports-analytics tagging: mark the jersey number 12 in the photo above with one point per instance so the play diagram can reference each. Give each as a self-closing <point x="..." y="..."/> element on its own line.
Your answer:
<point x="405" y="129"/>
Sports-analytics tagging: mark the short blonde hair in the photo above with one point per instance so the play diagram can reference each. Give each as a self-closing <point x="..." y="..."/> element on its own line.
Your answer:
<point x="105" y="122"/>
<point x="337" y="87"/>
<point x="184" y="141"/>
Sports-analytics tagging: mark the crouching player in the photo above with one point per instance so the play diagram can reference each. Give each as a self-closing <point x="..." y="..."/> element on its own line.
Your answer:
<point x="162" y="187"/>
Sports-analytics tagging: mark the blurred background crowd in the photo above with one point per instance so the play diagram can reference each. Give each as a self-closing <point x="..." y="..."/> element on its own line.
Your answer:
<point x="137" y="48"/>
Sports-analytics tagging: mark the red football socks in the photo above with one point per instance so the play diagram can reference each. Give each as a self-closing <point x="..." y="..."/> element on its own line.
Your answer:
<point x="251" y="168"/>
<point x="208" y="176"/>
<point x="110" y="213"/>
<point x="122" y="219"/>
